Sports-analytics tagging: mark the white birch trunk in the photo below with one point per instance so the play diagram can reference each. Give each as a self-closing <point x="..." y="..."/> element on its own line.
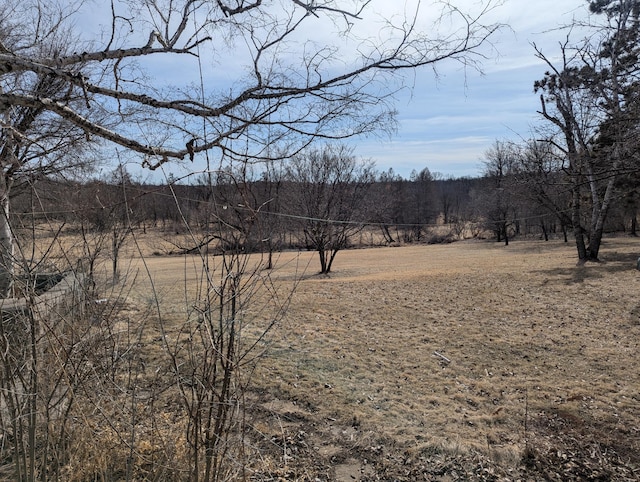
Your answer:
<point x="6" y="241"/>
<point x="8" y="161"/>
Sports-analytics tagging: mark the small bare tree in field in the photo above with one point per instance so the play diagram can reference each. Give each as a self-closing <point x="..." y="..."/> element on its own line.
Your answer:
<point x="498" y="202"/>
<point x="330" y="190"/>
<point x="78" y="398"/>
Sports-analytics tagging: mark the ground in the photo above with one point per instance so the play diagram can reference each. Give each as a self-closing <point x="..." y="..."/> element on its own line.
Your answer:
<point x="467" y="361"/>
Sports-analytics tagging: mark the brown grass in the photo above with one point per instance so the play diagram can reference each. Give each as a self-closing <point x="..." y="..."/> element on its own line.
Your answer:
<point x="541" y="353"/>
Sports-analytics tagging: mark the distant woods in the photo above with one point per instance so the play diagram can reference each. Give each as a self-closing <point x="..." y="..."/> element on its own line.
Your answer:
<point x="328" y="201"/>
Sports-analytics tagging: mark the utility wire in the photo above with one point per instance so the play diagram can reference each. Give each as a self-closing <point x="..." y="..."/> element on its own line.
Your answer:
<point x="173" y="195"/>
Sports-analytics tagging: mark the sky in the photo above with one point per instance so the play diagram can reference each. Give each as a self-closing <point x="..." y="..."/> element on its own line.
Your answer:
<point x="447" y="125"/>
<point x="447" y="122"/>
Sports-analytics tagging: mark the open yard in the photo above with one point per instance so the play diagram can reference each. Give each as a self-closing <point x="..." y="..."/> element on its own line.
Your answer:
<point x="467" y="361"/>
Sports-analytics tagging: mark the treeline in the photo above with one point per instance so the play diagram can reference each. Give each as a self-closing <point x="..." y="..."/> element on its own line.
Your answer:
<point x="326" y="198"/>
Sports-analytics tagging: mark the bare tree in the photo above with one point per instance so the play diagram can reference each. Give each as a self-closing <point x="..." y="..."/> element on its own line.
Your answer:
<point x="270" y="199"/>
<point x="33" y="138"/>
<point x="543" y="185"/>
<point x="120" y="211"/>
<point x="586" y="97"/>
<point x="331" y="187"/>
<point x="388" y="203"/>
<point x="499" y="204"/>
<point x="422" y="208"/>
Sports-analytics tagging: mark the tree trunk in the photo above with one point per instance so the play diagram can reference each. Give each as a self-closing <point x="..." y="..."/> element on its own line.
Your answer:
<point x="595" y="240"/>
<point x="387" y="235"/>
<point x="270" y="257"/>
<point x="331" y="258"/>
<point x="544" y="231"/>
<point x="115" y="248"/>
<point x="6" y="242"/>
<point x="323" y="260"/>
<point x="578" y="231"/>
<point x="580" y="244"/>
<point x="599" y="215"/>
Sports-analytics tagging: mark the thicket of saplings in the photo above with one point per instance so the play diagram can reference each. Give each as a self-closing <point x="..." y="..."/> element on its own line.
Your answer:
<point x="100" y="381"/>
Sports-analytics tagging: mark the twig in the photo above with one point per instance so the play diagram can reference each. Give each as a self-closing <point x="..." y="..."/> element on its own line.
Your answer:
<point x="442" y="357"/>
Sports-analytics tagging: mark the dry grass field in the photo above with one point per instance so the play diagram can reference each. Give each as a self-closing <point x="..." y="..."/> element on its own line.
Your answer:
<point x="467" y="361"/>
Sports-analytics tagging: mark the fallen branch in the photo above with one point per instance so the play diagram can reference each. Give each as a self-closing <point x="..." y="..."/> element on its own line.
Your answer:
<point x="442" y="357"/>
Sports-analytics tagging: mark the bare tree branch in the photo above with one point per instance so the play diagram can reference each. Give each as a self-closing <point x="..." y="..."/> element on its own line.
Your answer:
<point x="317" y="100"/>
